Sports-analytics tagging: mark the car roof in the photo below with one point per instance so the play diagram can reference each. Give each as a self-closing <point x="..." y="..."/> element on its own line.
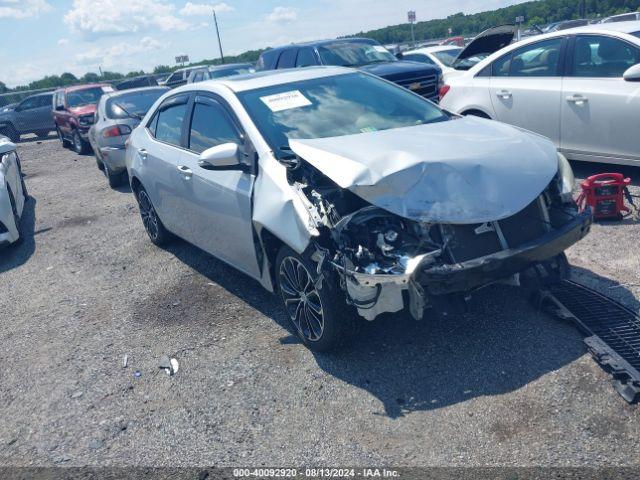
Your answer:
<point x="83" y="87"/>
<point x="318" y="43"/>
<point x="267" y="78"/>
<point x="622" y="27"/>
<point x="434" y="48"/>
<point x="213" y="68"/>
<point x="119" y="93"/>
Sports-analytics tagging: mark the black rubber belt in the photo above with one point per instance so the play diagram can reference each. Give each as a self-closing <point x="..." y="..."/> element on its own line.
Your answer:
<point x="613" y="331"/>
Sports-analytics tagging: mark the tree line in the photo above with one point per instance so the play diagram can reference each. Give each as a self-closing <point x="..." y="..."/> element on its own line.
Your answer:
<point x="540" y="12"/>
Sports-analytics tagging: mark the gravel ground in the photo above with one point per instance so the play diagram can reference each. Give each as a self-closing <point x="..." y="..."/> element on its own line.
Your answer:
<point x="503" y="385"/>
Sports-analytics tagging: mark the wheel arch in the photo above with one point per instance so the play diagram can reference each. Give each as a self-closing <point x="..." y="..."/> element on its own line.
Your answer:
<point x="478" y="112"/>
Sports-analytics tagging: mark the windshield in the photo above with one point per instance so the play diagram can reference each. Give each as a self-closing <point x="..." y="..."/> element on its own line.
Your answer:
<point x="334" y="106"/>
<point x="353" y="54"/>
<point x="90" y="96"/>
<point x="636" y="34"/>
<point x="227" y="72"/>
<point x="447" y="57"/>
<point x="133" y="104"/>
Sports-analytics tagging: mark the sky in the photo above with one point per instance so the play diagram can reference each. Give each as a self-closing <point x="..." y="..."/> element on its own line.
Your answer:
<point x="46" y="37"/>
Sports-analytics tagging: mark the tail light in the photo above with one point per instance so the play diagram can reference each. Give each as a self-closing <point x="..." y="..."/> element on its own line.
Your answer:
<point x="443" y="90"/>
<point x="116" y="131"/>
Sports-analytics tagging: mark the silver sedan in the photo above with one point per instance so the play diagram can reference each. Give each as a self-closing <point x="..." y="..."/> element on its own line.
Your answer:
<point x="117" y="114"/>
<point x="349" y="195"/>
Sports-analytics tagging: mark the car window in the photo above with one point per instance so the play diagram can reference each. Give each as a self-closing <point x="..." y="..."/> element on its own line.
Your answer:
<point x="601" y="56"/>
<point x="45" y="101"/>
<point x="198" y="76"/>
<point x="169" y="122"/>
<point x="338" y="105"/>
<point x="354" y="53"/>
<point x="306" y="58"/>
<point x="135" y="104"/>
<point x="288" y="58"/>
<point x="447" y="57"/>
<point x="418" y="57"/>
<point x="539" y="59"/>
<point x="210" y="126"/>
<point x="88" y="96"/>
<point x="29" y="103"/>
<point x="500" y="67"/>
<point x="175" y="77"/>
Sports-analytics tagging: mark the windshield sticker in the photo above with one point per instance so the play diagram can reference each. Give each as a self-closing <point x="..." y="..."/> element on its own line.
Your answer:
<point x="285" y="101"/>
<point x="379" y="49"/>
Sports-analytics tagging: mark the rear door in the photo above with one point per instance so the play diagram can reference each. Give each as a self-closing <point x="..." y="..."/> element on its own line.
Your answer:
<point x="217" y="203"/>
<point x="27" y="115"/>
<point x="526" y="87"/>
<point x="159" y="159"/>
<point x="44" y="118"/>
<point x="600" y="110"/>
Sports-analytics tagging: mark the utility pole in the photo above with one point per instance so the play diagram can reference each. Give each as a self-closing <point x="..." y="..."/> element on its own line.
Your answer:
<point x="411" y="17"/>
<point x="215" y="21"/>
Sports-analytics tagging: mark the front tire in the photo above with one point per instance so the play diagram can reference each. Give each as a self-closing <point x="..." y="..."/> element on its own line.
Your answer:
<point x="79" y="145"/>
<point x="158" y="234"/>
<point x="319" y="314"/>
<point x="11" y="132"/>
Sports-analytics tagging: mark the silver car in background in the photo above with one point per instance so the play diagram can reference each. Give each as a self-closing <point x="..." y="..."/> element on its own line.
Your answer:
<point x="118" y="113"/>
<point x="578" y="87"/>
<point x="350" y="195"/>
<point x="219" y="71"/>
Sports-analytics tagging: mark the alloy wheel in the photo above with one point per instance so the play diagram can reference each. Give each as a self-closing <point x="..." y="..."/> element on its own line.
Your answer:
<point x="77" y="142"/>
<point x="301" y="298"/>
<point x="148" y="214"/>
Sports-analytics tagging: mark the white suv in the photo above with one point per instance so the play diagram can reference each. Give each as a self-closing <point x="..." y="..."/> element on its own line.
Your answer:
<point x="578" y="87"/>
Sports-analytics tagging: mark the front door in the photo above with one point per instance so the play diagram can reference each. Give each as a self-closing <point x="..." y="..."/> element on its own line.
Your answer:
<point x="526" y="86"/>
<point x="217" y="204"/>
<point x="600" y="110"/>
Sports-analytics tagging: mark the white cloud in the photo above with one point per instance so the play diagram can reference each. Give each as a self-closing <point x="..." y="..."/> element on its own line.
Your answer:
<point x="283" y="15"/>
<point x="119" y="54"/>
<point x="108" y="17"/>
<point x="203" y="9"/>
<point x="23" y="9"/>
<point x="63" y="41"/>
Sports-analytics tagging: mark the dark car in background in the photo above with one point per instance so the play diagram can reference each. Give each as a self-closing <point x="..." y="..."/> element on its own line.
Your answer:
<point x="137" y="82"/>
<point x="117" y="115"/>
<point x="219" y="71"/>
<point x="73" y="113"/>
<point x="362" y="53"/>
<point x="179" y="77"/>
<point x="31" y="115"/>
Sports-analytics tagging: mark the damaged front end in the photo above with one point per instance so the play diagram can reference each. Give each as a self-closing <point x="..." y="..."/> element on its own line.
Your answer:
<point x="386" y="262"/>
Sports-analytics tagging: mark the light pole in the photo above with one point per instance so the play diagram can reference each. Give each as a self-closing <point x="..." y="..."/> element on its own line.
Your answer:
<point x="411" y="16"/>
<point x="215" y="22"/>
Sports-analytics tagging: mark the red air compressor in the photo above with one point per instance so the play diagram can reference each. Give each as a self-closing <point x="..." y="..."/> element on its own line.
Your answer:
<point x="605" y="194"/>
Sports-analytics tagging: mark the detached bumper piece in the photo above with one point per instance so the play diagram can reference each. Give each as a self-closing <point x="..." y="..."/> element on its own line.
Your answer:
<point x="613" y="332"/>
<point x="471" y="274"/>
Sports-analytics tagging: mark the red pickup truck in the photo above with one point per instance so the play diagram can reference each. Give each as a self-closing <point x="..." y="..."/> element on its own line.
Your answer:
<point x="74" y="109"/>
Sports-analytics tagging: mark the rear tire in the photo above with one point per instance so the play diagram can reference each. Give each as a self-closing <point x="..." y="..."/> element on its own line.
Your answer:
<point x="99" y="164"/>
<point x="320" y="316"/>
<point x="158" y="234"/>
<point x="43" y="134"/>
<point x="115" y="179"/>
<point x="11" y="132"/>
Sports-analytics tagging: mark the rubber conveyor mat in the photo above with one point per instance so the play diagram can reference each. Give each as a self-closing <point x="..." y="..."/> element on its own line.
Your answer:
<point x="613" y="331"/>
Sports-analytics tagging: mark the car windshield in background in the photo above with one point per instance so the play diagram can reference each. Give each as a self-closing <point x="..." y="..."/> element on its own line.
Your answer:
<point x="227" y="72"/>
<point x="353" y="54"/>
<point x="334" y="106"/>
<point x="448" y="56"/>
<point x="636" y="34"/>
<point x="90" y="96"/>
<point x="133" y="104"/>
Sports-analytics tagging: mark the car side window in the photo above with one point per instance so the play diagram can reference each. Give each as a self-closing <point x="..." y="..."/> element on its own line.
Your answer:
<point x="500" y="67"/>
<point x="602" y="56"/>
<point x="45" y="101"/>
<point x="418" y="57"/>
<point x="29" y="103"/>
<point x="288" y="58"/>
<point x="539" y="59"/>
<point x="210" y="126"/>
<point x="198" y="76"/>
<point x="306" y="58"/>
<point x="167" y="122"/>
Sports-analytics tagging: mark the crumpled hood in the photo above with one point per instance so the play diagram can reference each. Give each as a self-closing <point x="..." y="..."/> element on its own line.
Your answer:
<point x="467" y="170"/>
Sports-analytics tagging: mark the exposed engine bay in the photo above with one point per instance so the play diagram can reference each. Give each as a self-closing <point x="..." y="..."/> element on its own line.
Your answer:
<point x="382" y="258"/>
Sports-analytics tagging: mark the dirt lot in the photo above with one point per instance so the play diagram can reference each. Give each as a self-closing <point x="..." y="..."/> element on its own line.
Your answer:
<point x="504" y="385"/>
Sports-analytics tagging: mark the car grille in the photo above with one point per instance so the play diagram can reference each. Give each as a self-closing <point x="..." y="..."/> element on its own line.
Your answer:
<point x="466" y="242"/>
<point x="427" y="86"/>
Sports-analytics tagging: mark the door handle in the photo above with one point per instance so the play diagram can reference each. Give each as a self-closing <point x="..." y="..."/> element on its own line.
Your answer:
<point x="143" y="153"/>
<point x="577" y="99"/>
<point x="185" y="171"/>
<point x="503" y="94"/>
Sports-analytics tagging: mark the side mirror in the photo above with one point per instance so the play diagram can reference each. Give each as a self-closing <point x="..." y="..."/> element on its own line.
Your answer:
<point x="399" y="56"/>
<point x="632" y="74"/>
<point x="222" y="157"/>
<point x="60" y="108"/>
